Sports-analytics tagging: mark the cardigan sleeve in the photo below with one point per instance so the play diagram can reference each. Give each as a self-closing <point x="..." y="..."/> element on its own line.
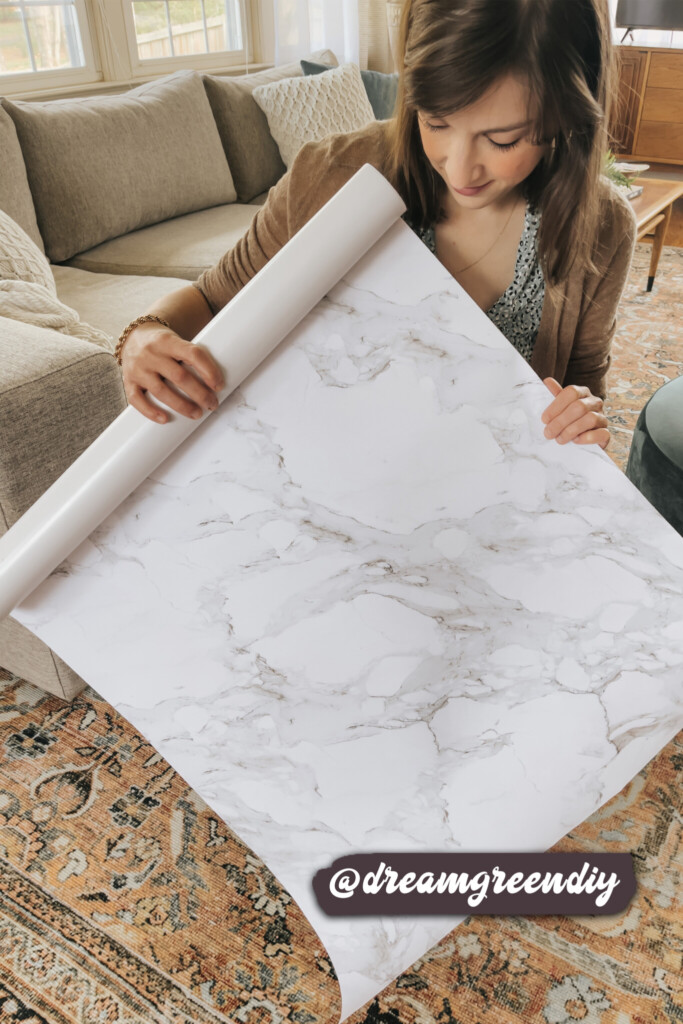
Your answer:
<point x="590" y="354"/>
<point x="265" y="236"/>
<point x="319" y="170"/>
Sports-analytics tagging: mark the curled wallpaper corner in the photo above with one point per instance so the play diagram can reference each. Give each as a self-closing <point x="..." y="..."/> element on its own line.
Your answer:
<point x="240" y="337"/>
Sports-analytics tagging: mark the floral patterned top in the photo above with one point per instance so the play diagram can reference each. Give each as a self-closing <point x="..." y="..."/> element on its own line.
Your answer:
<point x="517" y="313"/>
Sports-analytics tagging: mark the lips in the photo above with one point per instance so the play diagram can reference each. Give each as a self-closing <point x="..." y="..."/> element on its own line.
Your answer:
<point x="471" y="191"/>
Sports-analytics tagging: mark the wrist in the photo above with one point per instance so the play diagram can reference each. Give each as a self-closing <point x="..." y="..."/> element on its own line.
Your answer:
<point x="150" y="319"/>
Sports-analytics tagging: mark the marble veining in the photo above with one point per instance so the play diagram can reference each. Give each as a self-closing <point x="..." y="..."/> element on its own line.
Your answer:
<point x="368" y="606"/>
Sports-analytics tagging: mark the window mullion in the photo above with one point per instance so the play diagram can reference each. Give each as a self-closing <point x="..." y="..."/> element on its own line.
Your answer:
<point x="27" y="36"/>
<point x="170" y="29"/>
<point x="72" y="43"/>
<point x="206" y="28"/>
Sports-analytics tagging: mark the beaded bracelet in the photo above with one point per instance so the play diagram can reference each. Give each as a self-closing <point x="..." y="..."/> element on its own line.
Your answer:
<point x="123" y="337"/>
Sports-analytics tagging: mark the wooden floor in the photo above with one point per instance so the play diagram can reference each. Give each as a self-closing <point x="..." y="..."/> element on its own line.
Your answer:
<point x="674" y="235"/>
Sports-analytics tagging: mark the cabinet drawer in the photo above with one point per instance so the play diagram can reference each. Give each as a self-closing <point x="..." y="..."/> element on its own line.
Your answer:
<point x="663" y="105"/>
<point x="660" y="139"/>
<point x="666" y="70"/>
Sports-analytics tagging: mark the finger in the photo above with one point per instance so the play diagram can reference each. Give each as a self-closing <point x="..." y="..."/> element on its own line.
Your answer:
<point x="581" y="407"/>
<point x="591" y="421"/>
<point x="600" y="436"/>
<point x="199" y="359"/>
<point x="553" y="386"/>
<point x="187" y="382"/>
<point x="180" y="403"/>
<point x="138" y="398"/>
<point x="563" y="400"/>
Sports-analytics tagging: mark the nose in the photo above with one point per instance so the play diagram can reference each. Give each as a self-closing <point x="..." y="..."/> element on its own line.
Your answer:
<point x="462" y="168"/>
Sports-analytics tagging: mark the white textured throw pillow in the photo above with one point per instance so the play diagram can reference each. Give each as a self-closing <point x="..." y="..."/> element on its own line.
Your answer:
<point x="28" y="293"/>
<point x="301" y="110"/>
<point x="20" y="257"/>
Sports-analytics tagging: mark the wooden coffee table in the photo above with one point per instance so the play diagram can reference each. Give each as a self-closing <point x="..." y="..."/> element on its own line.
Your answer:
<point x="653" y="214"/>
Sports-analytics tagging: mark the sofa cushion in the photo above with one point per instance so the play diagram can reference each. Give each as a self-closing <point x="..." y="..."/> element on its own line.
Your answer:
<point x="381" y="88"/>
<point x="56" y="395"/>
<point x="182" y="247"/>
<point x="252" y="153"/>
<point x="15" y="195"/>
<point x="110" y="301"/>
<point x="102" y="166"/>
<point x="301" y="110"/>
<point x="27" y="288"/>
<point x="20" y="257"/>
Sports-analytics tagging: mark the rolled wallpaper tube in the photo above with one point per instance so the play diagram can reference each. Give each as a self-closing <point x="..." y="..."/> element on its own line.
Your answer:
<point x="240" y="337"/>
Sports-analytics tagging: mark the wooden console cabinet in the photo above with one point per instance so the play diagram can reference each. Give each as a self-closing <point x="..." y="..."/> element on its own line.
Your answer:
<point x="648" y="121"/>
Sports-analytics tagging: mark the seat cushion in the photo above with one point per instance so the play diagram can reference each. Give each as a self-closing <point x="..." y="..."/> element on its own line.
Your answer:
<point x="181" y="247"/>
<point x="110" y="301"/>
<point x="101" y="166"/>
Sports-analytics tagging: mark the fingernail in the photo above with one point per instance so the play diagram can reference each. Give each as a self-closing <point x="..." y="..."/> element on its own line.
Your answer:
<point x="196" y="414"/>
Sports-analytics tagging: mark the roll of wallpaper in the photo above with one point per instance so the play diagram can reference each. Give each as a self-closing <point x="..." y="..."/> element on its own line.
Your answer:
<point x="240" y="337"/>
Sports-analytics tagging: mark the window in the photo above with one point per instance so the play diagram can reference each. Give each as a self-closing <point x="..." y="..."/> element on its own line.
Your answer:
<point x="167" y="34"/>
<point x="39" y="36"/>
<point x="176" y="28"/>
<point x="60" y="46"/>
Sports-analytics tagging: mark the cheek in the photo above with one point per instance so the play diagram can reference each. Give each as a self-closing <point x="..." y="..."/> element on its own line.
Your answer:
<point x="430" y="145"/>
<point x="518" y="164"/>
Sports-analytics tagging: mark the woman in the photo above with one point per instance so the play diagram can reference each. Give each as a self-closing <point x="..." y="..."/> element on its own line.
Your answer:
<point x="497" y="149"/>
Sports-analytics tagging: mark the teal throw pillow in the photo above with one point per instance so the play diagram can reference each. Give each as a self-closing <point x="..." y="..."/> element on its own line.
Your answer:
<point x="381" y="88"/>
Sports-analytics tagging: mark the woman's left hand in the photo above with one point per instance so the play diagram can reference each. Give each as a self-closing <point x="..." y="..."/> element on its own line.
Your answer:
<point x="575" y="415"/>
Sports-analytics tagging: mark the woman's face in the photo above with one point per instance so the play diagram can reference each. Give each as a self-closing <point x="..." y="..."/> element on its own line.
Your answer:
<point x="484" y="151"/>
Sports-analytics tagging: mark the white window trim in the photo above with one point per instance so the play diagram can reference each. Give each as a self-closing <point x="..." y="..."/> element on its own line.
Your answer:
<point x="110" y="51"/>
<point x="201" y="62"/>
<point x="61" y="77"/>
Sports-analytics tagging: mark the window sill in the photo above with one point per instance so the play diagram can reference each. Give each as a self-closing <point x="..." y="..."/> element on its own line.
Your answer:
<point x="113" y="87"/>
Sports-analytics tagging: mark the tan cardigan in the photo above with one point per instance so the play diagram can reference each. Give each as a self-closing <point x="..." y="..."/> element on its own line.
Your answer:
<point x="577" y="322"/>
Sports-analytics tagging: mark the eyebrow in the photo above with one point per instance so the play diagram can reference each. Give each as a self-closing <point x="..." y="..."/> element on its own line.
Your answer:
<point x="510" y="128"/>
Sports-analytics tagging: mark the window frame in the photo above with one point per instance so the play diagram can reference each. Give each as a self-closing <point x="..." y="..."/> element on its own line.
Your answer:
<point x="112" y="63"/>
<point x="58" y="78"/>
<point x="201" y="61"/>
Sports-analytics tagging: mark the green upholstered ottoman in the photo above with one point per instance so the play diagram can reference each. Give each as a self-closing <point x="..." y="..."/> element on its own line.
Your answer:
<point x="655" y="462"/>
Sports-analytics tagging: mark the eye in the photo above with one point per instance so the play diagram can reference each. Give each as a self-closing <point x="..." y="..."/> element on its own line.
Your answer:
<point x="505" y="145"/>
<point x="432" y="127"/>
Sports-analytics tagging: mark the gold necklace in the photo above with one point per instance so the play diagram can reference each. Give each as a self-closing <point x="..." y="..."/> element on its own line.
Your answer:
<point x="495" y="241"/>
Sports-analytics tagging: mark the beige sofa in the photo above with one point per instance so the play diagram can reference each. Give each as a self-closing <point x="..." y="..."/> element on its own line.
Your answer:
<point x="129" y="196"/>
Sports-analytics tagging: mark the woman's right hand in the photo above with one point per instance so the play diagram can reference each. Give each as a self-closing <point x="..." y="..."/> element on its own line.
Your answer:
<point x="158" y="363"/>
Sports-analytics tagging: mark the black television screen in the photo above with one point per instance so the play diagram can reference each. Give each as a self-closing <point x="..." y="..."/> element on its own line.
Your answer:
<point x="666" y="14"/>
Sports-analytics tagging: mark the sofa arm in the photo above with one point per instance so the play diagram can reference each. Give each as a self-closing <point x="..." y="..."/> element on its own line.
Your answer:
<point x="57" y="394"/>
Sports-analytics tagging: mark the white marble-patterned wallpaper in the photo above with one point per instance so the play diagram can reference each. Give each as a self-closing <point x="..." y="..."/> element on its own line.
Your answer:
<point x="367" y="606"/>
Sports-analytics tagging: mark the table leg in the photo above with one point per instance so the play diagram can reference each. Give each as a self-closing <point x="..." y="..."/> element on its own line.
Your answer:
<point x="657" y="243"/>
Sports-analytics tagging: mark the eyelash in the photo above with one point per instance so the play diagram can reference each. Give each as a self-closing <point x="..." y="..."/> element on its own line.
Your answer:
<point x="498" y="145"/>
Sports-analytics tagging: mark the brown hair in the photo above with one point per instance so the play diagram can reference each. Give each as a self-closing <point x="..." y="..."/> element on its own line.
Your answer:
<point x="452" y="51"/>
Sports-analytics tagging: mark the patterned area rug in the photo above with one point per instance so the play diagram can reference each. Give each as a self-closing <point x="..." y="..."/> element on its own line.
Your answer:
<point x="648" y="346"/>
<point x="124" y="900"/>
